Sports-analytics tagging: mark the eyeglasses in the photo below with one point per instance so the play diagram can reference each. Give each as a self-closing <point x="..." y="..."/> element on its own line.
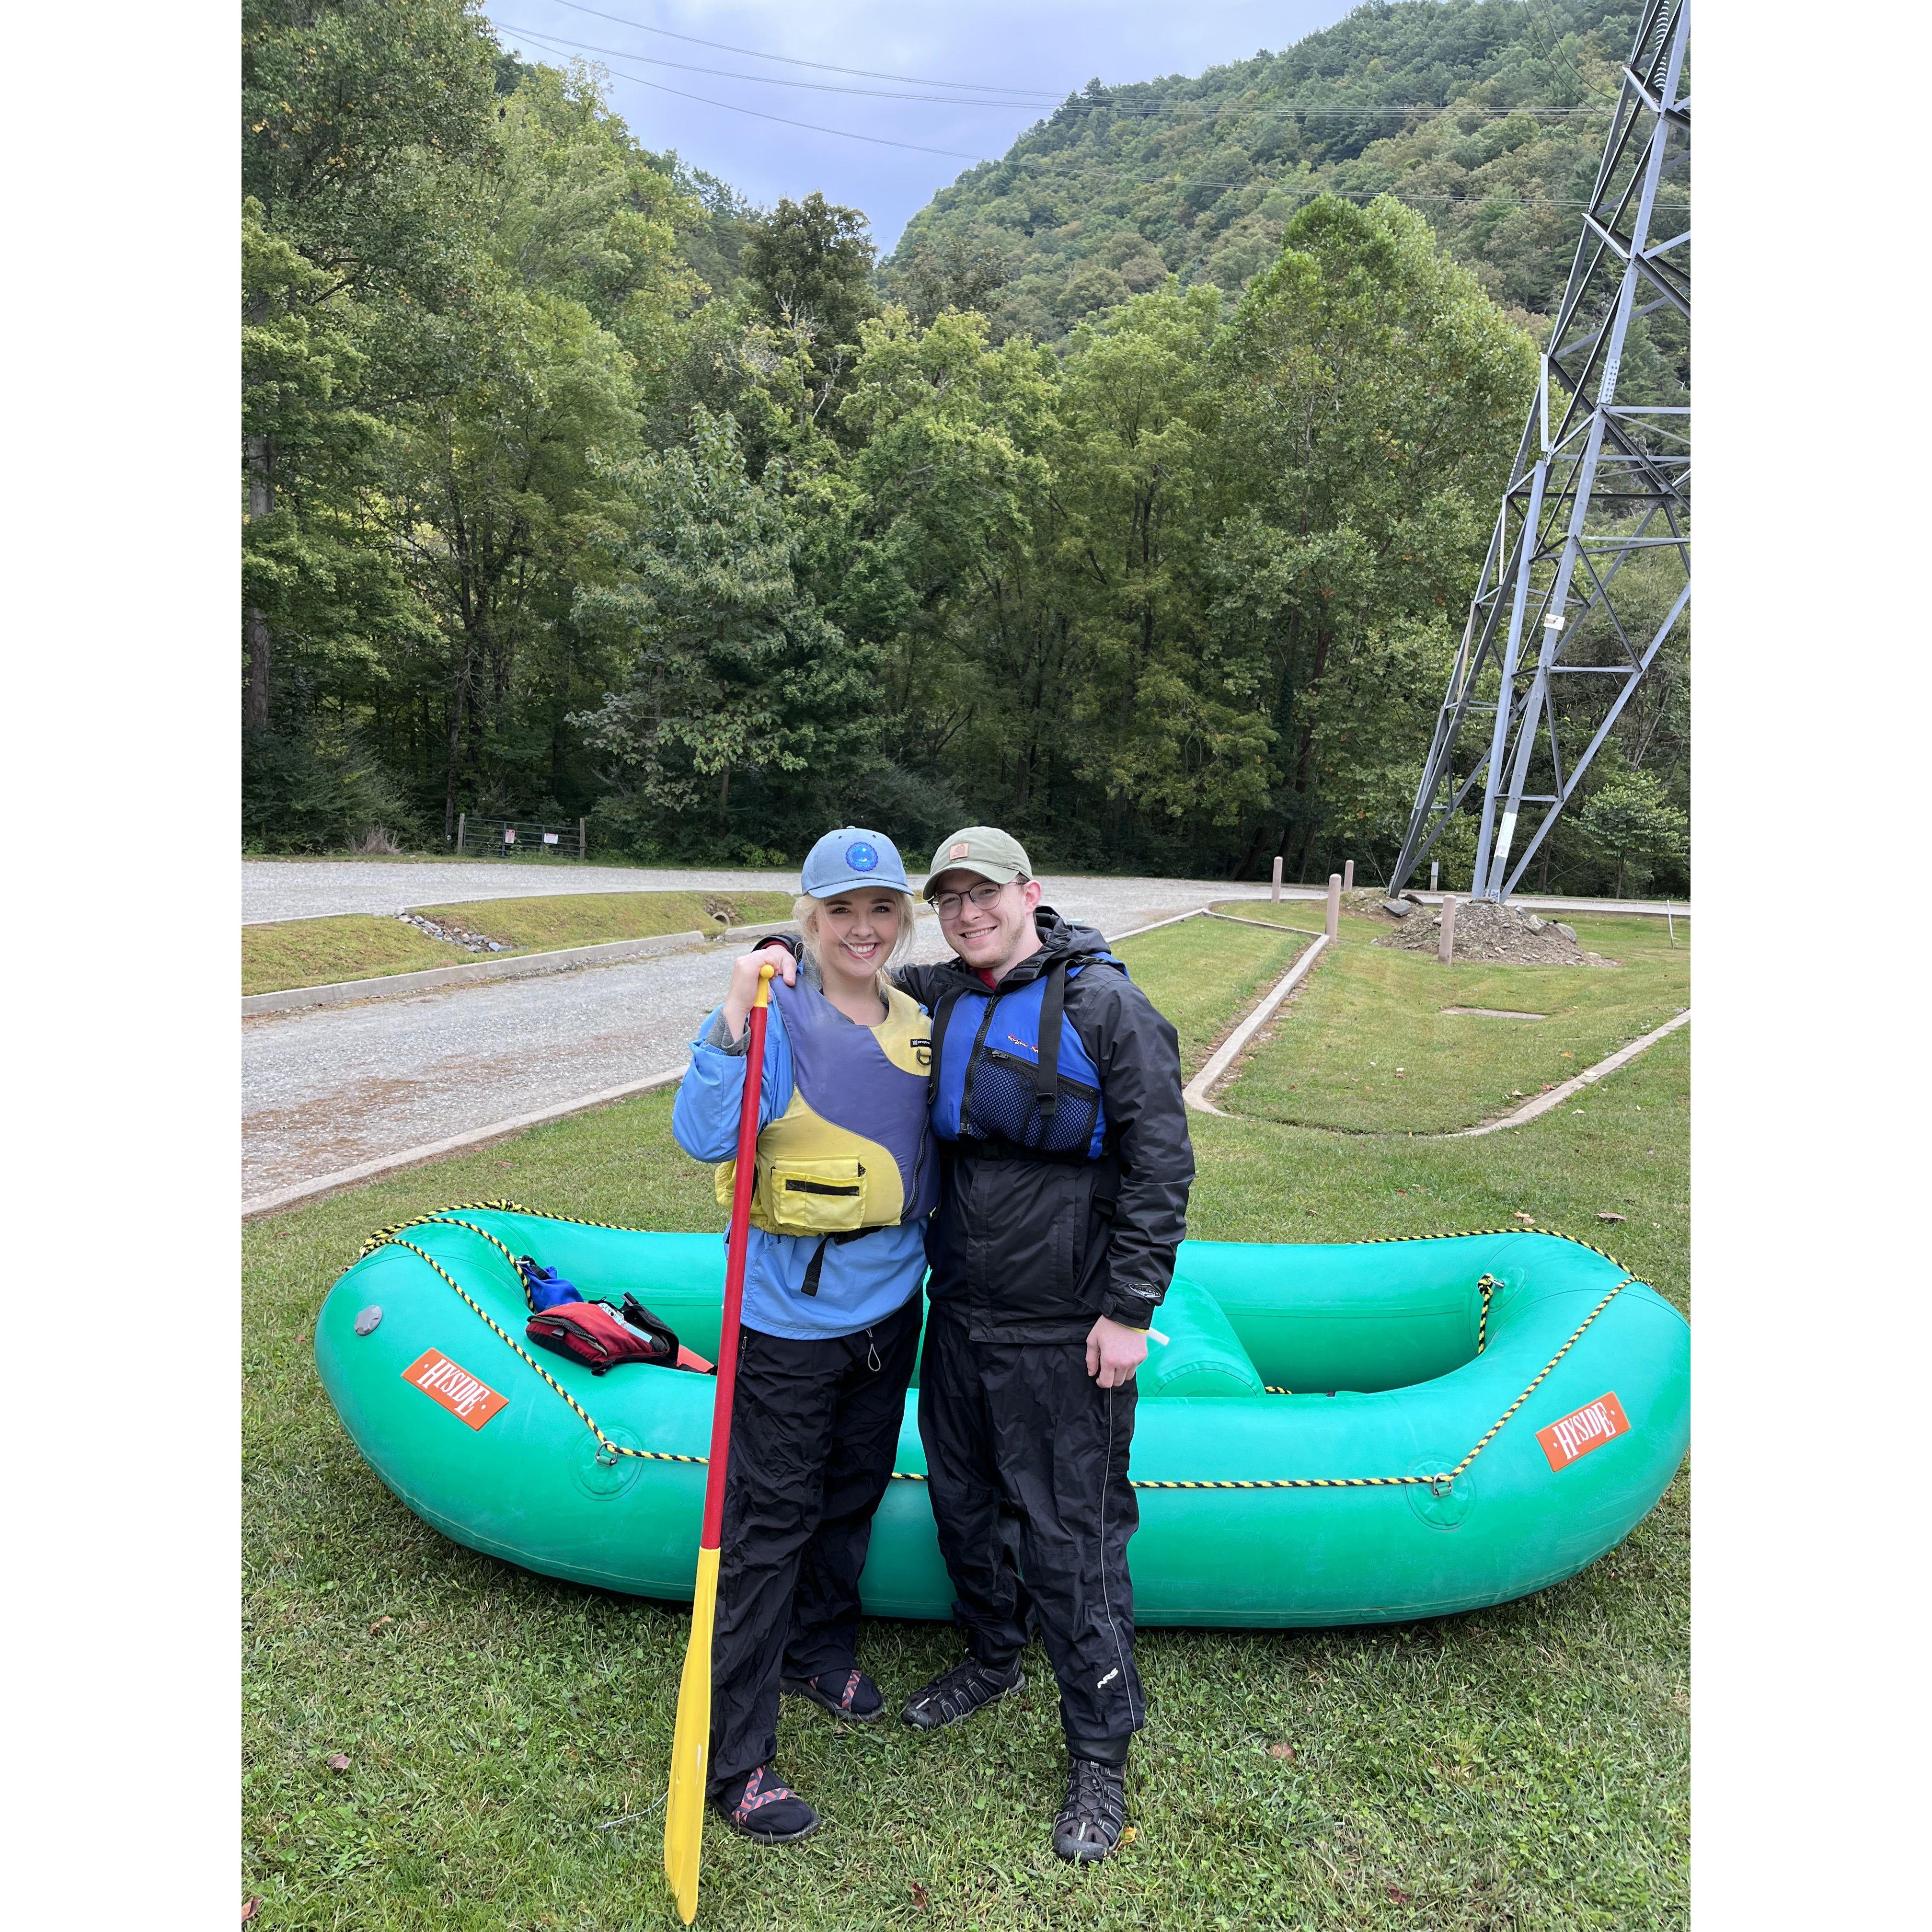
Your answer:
<point x="949" y="904"/>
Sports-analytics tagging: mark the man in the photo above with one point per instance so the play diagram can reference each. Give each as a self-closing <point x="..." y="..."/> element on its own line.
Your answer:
<point x="1065" y="1168"/>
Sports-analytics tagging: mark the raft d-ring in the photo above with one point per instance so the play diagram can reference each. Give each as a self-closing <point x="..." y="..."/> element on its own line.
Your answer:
<point x="1442" y="1484"/>
<point x="607" y="1456"/>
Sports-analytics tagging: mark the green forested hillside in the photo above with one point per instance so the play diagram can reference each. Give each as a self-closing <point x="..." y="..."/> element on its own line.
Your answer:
<point x="574" y="485"/>
<point x="1486" y="116"/>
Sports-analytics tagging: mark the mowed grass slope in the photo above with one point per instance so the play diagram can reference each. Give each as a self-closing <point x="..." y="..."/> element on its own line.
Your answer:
<point x="294" y="953"/>
<point x="1366" y="1046"/>
<point x="1521" y="1767"/>
<point x="320" y="952"/>
<point x="597" y="918"/>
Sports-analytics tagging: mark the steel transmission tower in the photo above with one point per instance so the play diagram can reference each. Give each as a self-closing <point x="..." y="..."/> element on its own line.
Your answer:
<point x="1597" y="487"/>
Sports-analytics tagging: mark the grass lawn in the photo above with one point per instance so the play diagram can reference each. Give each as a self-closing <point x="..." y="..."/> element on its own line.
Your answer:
<point x="1366" y="1046"/>
<point x="596" y="919"/>
<point x="1523" y="1767"/>
<point x="352" y="946"/>
<point x="357" y="945"/>
<point x="1204" y="985"/>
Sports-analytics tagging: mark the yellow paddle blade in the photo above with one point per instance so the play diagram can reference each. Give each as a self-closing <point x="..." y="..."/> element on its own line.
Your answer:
<point x="691" y="1746"/>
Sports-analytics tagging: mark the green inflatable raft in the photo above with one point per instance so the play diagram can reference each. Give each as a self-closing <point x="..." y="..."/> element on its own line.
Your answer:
<point x="1333" y="1434"/>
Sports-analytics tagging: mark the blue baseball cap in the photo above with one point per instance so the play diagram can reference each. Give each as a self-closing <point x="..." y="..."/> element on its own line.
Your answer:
<point x="852" y="857"/>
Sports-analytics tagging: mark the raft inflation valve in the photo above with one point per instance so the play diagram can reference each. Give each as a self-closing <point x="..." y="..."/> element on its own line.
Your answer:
<point x="367" y="1321"/>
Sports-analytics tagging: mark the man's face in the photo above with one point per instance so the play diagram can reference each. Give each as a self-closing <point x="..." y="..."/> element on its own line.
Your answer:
<point x="986" y="936"/>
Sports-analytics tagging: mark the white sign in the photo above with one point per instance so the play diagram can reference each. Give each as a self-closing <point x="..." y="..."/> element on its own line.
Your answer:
<point x="550" y="838"/>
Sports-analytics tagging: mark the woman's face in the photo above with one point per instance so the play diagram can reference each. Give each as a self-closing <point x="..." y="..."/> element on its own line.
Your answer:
<point x="857" y="931"/>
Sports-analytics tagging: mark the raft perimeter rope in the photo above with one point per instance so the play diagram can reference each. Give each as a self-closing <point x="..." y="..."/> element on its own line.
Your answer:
<point x="1440" y="1484"/>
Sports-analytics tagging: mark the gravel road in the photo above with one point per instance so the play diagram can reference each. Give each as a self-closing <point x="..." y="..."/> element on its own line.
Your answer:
<point x="331" y="1088"/>
<point x="297" y="889"/>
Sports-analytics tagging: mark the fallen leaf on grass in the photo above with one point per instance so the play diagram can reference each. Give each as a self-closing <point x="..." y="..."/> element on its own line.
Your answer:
<point x="1607" y="1216"/>
<point x="379" y="1623"/>
<point x="248" y="1911"/>
<point x="339" y="1762"/>
<point x="918" y="1895"/>
<point x="1128" y="1836"/>
<point x="1396" y="1894"/>
<point x="1285" y="1752"/>
<point x="1521" y="1216"/>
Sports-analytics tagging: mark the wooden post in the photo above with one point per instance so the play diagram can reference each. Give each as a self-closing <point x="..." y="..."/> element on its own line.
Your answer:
<point x="1445" y="948"/>
<point x="1276" y="894"/>
<point x="580" y="839"/>
<point x="1347" y="875"/>
<point x="1334" y="925"/>
<point x="460" y="816"/>
<point x="1435" y="875"/>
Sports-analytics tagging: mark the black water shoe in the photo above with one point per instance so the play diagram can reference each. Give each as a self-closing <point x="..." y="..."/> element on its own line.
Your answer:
<point x="1091" y="1822"/>
<point x="961" y="1692"/>
<point x="767" y="1812"/>
<point x="845" y="1694"/>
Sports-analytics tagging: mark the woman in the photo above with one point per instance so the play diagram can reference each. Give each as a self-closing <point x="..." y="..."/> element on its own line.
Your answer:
<point x="836" y="1254"/>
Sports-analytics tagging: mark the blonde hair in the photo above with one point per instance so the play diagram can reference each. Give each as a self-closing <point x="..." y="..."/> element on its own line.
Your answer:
<point x="805" y="913"/>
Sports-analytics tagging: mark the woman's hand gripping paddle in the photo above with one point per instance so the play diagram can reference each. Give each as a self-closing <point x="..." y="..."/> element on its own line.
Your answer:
<point x="690" y="1747"/>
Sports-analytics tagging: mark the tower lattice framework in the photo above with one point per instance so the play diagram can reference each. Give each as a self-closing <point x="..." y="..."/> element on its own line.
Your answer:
<point x="1597" y="486"/>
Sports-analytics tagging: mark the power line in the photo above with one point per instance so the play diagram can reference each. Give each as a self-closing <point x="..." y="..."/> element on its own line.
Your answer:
<point x="811" y="127"/>
<point x="790" y="60"/>
<point x="766" y="79"/>
<point x="1179" y="186"/>
<point x="1017" y="96"/>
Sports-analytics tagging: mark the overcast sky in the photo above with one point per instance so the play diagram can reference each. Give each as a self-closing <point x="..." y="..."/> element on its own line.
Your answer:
<point x="1020" y="56"/>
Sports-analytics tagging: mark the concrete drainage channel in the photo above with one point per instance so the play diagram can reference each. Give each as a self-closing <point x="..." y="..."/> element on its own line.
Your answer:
<point x="1196" y="1091"/>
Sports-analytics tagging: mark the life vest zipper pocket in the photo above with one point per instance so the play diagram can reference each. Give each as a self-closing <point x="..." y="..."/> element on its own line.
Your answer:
<point x="816" y="1197"/>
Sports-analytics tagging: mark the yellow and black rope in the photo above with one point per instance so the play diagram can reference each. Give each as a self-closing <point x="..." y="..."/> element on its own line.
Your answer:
<point x="607" y="1447"/>
<point x="1440" y="1484"/>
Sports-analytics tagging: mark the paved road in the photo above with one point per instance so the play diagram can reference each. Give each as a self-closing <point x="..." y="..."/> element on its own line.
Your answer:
<point x="331" y="1087"/>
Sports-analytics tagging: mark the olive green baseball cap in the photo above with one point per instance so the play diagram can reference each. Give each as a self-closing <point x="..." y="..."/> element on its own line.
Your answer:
<point x="984" y="849"/>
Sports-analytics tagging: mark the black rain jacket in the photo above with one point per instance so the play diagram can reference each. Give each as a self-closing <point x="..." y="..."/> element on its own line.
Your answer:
<point x="1033" y="1250"/>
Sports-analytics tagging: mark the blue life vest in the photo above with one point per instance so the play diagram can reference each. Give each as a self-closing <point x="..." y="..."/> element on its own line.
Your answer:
<point x="1011" y="1074"/>
<point x="850" y="1151"/>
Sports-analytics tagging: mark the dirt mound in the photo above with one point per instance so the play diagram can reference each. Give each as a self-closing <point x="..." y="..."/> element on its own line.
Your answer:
<point x="1500" y="933"/>
<point x="1371" y="903"/>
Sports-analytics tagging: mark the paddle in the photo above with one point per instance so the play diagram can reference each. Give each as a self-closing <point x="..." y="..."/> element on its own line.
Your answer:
<point x="691" y="1746"/>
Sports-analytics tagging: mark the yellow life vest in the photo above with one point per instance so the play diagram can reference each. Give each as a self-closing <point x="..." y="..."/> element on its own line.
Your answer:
<point x="854" y="1147"/>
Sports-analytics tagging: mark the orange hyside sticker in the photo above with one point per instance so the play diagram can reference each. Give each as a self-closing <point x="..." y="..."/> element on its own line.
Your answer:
<point x="457" y="1389"/>
<point x="1587" y="1428"/>
<point x="962" y="850"/>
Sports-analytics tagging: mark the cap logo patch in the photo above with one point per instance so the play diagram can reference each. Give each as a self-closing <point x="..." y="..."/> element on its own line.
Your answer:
<point x="861" y="857"/>
<point x="961" y="849"/>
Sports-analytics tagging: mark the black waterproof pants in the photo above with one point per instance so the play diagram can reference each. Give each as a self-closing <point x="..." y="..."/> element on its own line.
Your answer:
<point x="814" y="1426"/>
<point x="1027" y="1460"/>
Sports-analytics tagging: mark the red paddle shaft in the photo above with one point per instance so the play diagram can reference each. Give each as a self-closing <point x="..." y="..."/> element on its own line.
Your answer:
<point x="734" y="1269"/>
